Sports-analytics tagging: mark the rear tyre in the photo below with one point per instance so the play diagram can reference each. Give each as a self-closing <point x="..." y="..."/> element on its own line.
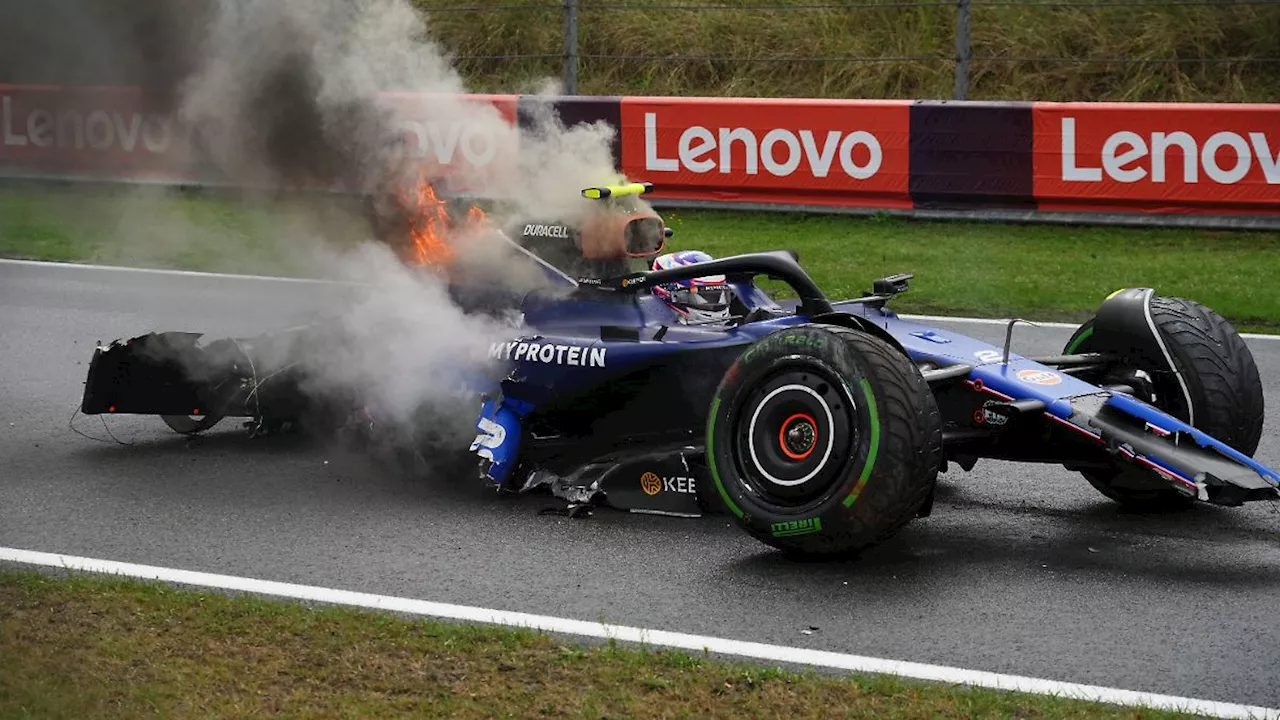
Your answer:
<point x="823" y="441"/>
<point x="212" y="370"/>
<point x="1222" y="394"/>
<point x="190" y="424"/>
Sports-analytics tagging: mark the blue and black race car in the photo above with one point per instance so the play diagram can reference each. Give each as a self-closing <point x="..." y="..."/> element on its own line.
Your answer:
<point x="819" y="426"/>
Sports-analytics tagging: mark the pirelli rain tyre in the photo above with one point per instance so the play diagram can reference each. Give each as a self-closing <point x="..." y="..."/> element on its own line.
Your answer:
<point x="1222" y="383"/>
<point x="823" y="441"/>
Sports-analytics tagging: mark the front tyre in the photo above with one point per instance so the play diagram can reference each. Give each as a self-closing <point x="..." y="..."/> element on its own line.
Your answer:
<point x="822" y="440"/>
<point x="1220" y="393"/>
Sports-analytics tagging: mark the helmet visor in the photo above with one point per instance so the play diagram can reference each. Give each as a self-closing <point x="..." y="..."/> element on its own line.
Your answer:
<point x="712" y="298"/>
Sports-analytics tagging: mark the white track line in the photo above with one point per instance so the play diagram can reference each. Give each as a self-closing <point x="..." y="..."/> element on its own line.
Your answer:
<point x="660" y="638"/>
<point x="276" y="278"/>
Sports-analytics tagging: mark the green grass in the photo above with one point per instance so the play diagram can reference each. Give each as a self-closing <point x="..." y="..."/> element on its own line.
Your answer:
<point x="1021" y="51"/>
<point x="94" y="646"/>
<point x="1039" y="272"/>
<point x="155" y="227"/>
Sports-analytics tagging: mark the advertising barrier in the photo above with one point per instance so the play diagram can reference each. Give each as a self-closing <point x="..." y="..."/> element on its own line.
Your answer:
<point x="1151" y="159"/>
<point x="471" y="149"/>
<point x="118" y="133"/>
<point x="813" y="152"/>
<point x="1157" y="157"/>
<point x="100" y="132"/>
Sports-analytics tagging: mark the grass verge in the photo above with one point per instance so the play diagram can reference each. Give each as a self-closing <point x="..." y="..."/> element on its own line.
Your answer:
<point x="1039" y="272"/>
<point x="92" y="646"/>
<point x="1128" y="51"/>
<point x="166" y="228"/>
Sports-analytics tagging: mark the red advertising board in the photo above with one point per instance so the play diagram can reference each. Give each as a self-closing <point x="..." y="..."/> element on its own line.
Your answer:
<point x="116" y="133"/>
<point x="816" y="152"/>
<point x="99" y="132"/>
<point x="1122" y="157"/>
<point x="471" y="141"/>
<point x="1158" y="157"/>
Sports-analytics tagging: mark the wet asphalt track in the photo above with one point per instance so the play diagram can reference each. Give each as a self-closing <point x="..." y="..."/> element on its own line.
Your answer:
<point x="1022" y="570"/>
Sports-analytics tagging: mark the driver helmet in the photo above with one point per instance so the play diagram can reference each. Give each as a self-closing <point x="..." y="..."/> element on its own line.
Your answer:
<point x="699" y="300"/>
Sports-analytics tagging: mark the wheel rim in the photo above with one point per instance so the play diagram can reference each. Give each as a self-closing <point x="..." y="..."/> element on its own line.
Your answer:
<point x="190" y="424"/>
<point x="793" y="435"/>
<point x="798" y="436"/>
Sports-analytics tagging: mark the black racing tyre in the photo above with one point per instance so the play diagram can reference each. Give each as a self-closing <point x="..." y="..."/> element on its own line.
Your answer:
<point x="190" y="424"/>
<point x="1222" y="383"/>
<point x="212" y="369"/>
<point x="822" y="440"/>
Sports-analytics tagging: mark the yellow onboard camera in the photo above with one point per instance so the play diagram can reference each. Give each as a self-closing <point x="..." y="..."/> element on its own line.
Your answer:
<point x="622" y="229"/>
<point x="614" y="191"/>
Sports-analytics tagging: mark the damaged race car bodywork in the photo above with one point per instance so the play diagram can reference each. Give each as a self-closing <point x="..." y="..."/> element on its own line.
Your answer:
<point x="820" y="427"/>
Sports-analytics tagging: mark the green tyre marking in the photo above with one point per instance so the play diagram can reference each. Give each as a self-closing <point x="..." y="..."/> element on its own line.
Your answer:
<point x="1076" y="343"/>
<point x="875" y="443"/>
<point x="791" y="528"/>
<point x="711" y="459"/>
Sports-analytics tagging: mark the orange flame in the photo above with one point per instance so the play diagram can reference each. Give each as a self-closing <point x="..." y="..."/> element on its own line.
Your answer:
<point x="431" y="229"/>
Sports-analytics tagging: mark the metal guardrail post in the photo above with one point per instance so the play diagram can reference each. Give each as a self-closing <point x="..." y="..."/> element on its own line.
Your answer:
<point x="570" y="59"/>
<point x="962" y="49"/>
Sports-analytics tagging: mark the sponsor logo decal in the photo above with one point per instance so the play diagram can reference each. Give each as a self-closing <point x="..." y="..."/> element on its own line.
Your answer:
<point x="990" y="417"/>
<point x="486" y="143"/>
<point x="117" y="133"/>
<point x="1039" y="377"/>
<point x="491" y="435"/>
<point x="779" y="151"/>
<point x="554" y="231"/>
<point x="792" y="150"/>
<point x="96" y="129"/>
<point x="791" y="528"/>
<point x="1163" y="157"/>
<point x="445" y="142"/>
<point x="549" y="353"/>
<point x="1224" y="157"/>
<point x="793" y="341"/>
<point x="987" y="356"/>
<point x="931" y="336"/>
<point x="652" y="484"/>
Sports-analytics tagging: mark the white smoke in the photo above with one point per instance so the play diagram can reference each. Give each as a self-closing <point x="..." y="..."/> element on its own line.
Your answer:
<point x="295" y="91"/>
<point x="404" y="349"/>
<point x="291" y="88"/>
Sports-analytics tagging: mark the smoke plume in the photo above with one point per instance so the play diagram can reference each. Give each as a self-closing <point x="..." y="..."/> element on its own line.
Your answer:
<point x="287" y="93"/>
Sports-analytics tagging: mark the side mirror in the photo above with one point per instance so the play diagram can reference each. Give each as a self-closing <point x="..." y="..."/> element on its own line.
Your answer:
<point x="892" y="285"/>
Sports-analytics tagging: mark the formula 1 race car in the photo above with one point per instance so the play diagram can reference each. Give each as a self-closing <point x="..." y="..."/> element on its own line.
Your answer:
<point x="820" y="427"/>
